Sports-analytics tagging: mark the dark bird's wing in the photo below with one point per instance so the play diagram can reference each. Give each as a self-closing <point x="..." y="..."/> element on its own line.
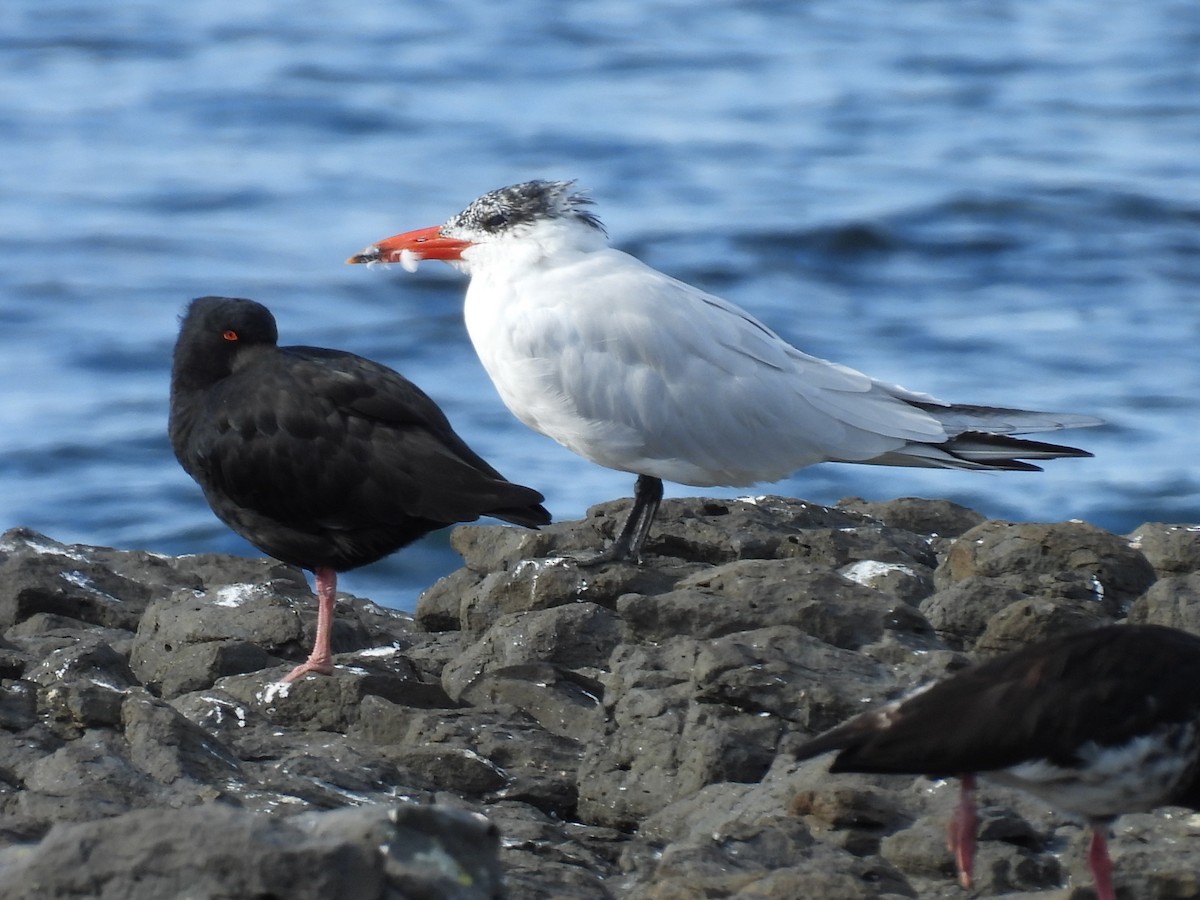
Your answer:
<point x="1045" y="701"/>
<point x="324" y="458"/>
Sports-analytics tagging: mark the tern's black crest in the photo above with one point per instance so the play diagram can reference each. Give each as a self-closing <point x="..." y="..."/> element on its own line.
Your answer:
<point x="523" y="204"/>
<point x="320" y="458"/>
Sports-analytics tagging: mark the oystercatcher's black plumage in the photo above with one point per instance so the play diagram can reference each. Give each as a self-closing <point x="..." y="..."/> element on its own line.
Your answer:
<point x="1096" y="724"/>
<point x="320" y="458"/>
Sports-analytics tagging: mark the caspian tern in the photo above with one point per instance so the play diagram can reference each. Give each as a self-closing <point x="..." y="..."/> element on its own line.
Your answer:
<point x="320" y="458"/>
<point x="637" y="371"/>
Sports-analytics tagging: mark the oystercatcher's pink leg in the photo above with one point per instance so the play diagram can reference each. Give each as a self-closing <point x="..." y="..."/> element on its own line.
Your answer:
<point x="1100" y="864"/>
<point x="960" y="834"/>
<point x="320" y="660"/>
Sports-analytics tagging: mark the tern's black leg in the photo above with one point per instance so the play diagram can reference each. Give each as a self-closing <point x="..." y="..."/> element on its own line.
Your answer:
<point x="647" y="495"/>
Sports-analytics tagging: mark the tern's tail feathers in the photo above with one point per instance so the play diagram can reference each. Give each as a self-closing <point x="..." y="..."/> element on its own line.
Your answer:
<point x="982" y="437"/>
<point x="959" y="418"/>
<point x="978" y="450"/>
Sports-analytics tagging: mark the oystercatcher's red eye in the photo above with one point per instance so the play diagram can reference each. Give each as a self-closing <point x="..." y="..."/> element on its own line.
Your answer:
<point x="230" y="335"/>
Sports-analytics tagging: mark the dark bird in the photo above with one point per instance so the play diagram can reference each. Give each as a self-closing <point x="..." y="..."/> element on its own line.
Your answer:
<point x="320" y="458"/>
<point x="639" y="372"/>
<point x="1096" y="724"/>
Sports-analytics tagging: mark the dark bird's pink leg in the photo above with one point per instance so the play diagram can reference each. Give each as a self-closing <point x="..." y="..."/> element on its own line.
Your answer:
<point x="1100" y="864"/>
<point x="320" y="660"/>
<point x="960" y="835"/>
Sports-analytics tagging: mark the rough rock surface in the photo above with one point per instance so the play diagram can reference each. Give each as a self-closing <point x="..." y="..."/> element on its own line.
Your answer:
<point x="538" y="730"/>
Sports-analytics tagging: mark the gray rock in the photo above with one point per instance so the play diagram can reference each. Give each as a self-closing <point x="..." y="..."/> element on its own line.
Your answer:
<point x="688" y="713"/>
<point x="90" y="777"/>
<point x="217" y="851"/>
<point x="172" y="750"/>
<point x="331" y="702"/>
<point x="743" y="595"/>
<point x="38" y="575"/>
<point x="960" y="612"/>
<point x="472" y="602"/>
<point x="1173" y="600"/>
<point x="935" y="518"/>
<point x="579" y="636"/>
<point x="496" y="753"/>
<point x="909" y="582"/>
<point x="774" y="856"/>
<point x="102" y="586"/>
<point x="1170" y="549"/>
<point x="82" y="685"/>
<point x="439" y="606"/>
<point x="1146" y="863"/>
<point x="1030" y="620"/>
<point x="1092" y="562"/>
<point x="185" y="642"/>
<point x="546" y="857"/>
<point x="563" y="701"/>
<point x="625" y="728"/>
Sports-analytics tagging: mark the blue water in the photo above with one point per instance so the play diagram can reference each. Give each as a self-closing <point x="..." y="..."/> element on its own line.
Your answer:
<point x="992" y="202"/>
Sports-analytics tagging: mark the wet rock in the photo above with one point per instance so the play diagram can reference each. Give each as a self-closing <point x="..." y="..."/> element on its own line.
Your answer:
<point x="545" y="857"/>
<point x="742" y="595"/>
<point x="687" y="713"/>
<point x="911" y="583"/>
<point x="330" y="702"/>
<point x="102" y="586"/>
<point x="1173" y="600"/>
<point x="186" y="641"/>
<point x="563" y="701"/>
<point x="961" y="612"/>
<point x="1030" y="557"/>
<point x="39" y="576"/>
<point x="935" y="518"/>
<point x="774" y="856"/>
<point x="1170" y="549"/>
<point x="472" y="602"/>
<point x="1027" y="621"/>
<point x="494" y="752"/>
<point x="541" y="729"/>
<point x="216" y="851"/>
<point x="581" y="636"/>
<point x="82" y="684"/>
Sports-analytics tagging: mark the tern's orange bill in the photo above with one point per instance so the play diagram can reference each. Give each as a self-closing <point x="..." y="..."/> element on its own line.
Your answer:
<point x="426" y="243"/>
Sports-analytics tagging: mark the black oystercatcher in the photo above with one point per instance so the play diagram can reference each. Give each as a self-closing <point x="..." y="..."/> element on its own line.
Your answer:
<point x="1096" y="724"/>
<point x="320" y="458"/>
<point x="639" y="372"/>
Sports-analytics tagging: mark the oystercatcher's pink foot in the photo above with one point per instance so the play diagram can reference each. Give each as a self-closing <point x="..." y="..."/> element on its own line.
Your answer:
<point x="1101" y="864"/>
<point x="320" y="661"/>
<point x="960" y="833"/>
<point x="315" y="666"/>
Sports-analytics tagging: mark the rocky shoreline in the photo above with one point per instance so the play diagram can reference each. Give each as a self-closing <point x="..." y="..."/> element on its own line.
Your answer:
<point x="537" y="730"/>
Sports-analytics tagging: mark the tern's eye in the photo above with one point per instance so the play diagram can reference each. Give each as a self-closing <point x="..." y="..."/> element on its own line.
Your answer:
<point x="495" y="220"/>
